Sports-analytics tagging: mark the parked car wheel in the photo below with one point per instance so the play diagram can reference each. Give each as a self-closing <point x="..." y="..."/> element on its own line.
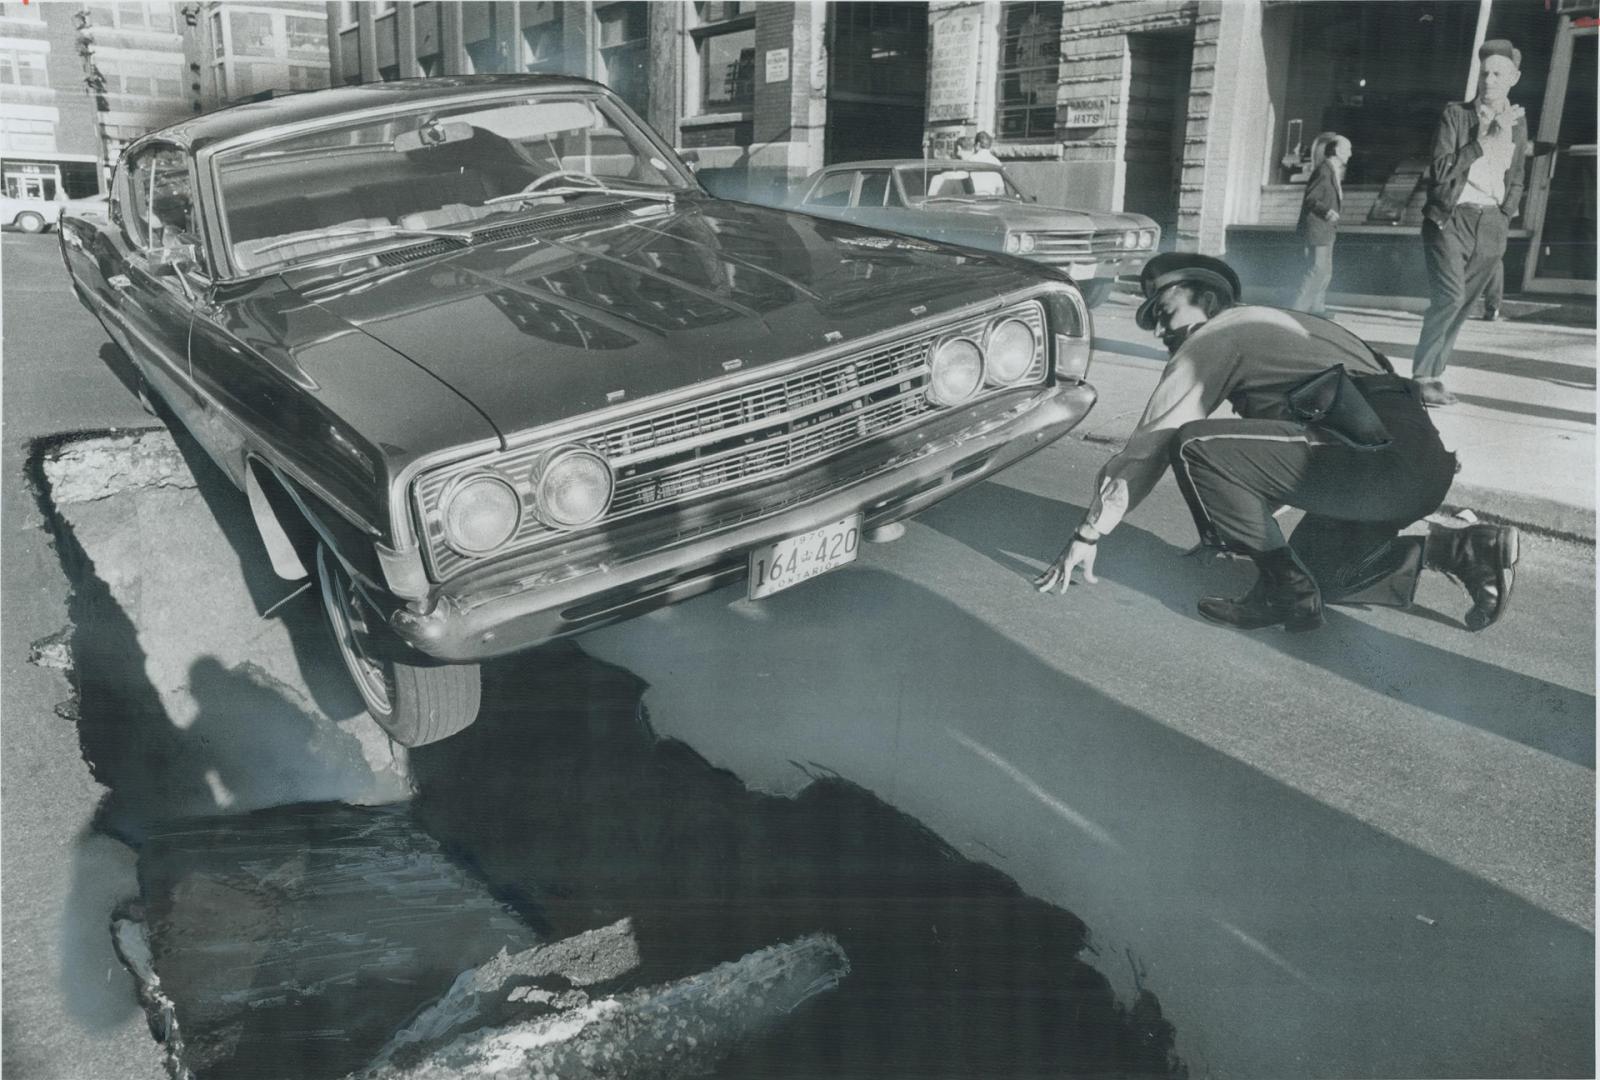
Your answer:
<point x="30" y="222"/>
<point x="1096" y="290"/>
<point x="416" y="703"/>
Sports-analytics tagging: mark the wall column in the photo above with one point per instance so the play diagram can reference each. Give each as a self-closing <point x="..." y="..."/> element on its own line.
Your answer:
<point x="405" y="42"/>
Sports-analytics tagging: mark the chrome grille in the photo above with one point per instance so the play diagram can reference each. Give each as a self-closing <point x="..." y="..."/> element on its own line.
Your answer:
<point x="1079" y="244"/>
<point x="744" y="436"/>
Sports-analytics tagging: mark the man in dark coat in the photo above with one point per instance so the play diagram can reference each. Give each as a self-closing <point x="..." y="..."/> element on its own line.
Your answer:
<point x="1360" y="483"/>
<point x="1474" y="188"/>
<point x="1319" y="222"/>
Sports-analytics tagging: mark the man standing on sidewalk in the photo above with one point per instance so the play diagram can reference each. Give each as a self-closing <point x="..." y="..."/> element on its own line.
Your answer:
<point x="1474" y="188"/>
<point x="1319" y="222"/>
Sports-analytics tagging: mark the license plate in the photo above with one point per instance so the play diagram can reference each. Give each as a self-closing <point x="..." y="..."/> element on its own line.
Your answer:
<point x="775" y="567"/>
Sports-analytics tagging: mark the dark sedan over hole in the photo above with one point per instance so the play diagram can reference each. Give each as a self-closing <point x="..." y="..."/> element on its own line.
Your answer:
<point x="488" y="360"/>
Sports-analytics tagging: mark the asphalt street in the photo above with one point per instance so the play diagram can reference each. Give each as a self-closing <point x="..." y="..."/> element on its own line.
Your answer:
<point x="1366" y="851"/>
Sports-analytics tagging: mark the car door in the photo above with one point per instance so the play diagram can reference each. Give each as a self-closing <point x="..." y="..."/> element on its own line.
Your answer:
<point x="152" y="208"/>
<point x="879" y="204"/>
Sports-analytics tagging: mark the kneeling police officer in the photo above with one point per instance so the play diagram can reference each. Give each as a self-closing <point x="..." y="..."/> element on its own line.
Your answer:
<point x="1324" y="424"/>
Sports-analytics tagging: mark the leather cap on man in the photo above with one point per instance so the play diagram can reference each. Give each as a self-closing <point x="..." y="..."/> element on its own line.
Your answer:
<point x="1501" y="47"/>
<point x="1173" y="267"/>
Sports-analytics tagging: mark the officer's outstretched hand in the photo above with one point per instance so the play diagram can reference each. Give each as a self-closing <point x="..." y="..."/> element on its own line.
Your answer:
<point x="1059" y="572"/>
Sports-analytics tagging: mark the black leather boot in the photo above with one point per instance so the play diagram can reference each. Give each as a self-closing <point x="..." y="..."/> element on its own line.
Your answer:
<point x="1483" y="558"/>
<point x="1284" y="594"/>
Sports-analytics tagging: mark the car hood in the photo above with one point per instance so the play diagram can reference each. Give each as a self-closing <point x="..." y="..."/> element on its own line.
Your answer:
<point x="1034" y="216"/>
<point x="551" y="324"/>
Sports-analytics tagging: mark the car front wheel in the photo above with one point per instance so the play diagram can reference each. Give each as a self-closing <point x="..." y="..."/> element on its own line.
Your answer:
<point x="416" y="703"/>
<point x="1096" y="290"/>
<point x="30" y="223"/>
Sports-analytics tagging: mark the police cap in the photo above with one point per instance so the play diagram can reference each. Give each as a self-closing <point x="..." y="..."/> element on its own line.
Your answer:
<point x="1173" y="267"/>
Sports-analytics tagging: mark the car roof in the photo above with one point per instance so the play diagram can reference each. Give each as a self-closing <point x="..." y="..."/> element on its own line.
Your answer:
<point x="238" y="120"/>
<point x="896" y="163"/>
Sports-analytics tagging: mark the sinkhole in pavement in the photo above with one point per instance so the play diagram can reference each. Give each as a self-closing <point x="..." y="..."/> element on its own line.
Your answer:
<point x="306" y="891"/>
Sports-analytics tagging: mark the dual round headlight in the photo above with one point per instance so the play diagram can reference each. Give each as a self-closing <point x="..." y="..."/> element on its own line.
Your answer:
<point x="1020" y="243"/>
<point x="1147" y="238"/>
<point x="960" y="366"/>
<point x="1130" y="239"/>
<point x="481" y="511"/>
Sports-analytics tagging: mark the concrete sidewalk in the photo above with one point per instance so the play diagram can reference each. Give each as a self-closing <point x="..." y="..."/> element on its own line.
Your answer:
<point x="1524" y="430"/>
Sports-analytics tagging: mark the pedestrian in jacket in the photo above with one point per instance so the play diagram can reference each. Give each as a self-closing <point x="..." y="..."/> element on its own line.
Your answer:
<point x="1474" y="188"/>
<point x="1319" y="222"/>
<point x="1362" y="470"/>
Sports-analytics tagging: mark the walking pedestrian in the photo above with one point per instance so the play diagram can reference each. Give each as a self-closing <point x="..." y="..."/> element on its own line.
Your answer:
<point x="983" y="149"/>
<point x="1474" y="188"/>
<point x="1325" y="425"/>
<point x="1319" y="221"/>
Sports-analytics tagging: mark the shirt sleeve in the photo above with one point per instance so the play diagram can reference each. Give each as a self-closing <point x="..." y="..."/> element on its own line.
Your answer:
<point x="1193" y="385"/>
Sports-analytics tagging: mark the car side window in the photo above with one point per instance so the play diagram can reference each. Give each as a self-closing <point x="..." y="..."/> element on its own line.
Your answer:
<point x="833" y="190"/>
<point x="875" y="188"/>
<point x="158" y="203"/>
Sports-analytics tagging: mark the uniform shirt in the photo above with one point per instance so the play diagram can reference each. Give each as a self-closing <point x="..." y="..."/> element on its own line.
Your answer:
<point x="983" y="154"/>
<point x="1247" y="355"/>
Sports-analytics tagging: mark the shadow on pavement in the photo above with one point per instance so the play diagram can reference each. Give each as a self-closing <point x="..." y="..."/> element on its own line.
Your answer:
<point x="1527" y="367"/>
<point x="1002" y="523"/>
<point x="576" y="813"/>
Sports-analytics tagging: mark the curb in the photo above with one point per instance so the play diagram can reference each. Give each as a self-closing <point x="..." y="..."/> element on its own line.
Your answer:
<point x="1547" y="517"/>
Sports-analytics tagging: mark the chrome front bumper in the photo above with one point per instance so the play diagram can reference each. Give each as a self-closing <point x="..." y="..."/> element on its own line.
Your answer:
<point x="1085" y="267"/>
<point x="508" y="608"/>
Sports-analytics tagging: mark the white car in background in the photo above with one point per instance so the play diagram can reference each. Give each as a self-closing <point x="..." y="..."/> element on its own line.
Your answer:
<point x="36" y="215"/>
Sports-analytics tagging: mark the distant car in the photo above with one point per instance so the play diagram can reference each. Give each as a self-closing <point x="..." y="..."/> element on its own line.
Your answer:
<point x="487" y="359"/>
<point x="977" y="205"/>
<point x="37" y="215"/>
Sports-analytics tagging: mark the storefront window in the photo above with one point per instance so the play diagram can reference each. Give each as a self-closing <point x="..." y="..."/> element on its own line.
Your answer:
<point x="1379" y="74"/>
<point x="1030" y="70"/>
<point x="625" y="51"/>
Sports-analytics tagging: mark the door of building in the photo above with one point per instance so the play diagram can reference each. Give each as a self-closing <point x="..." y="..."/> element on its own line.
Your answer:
<point x="1158" y="121"/>
<point x="877" y="81"/>
<point x="1561" y="194"/>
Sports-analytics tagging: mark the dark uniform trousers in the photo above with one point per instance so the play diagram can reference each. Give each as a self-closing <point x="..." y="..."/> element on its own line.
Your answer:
<point x="1235" y="473"/>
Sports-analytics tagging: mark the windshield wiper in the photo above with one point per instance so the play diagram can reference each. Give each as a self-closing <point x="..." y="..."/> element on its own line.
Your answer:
<point x="655" y="194"/>
<point x="372" y="230"/>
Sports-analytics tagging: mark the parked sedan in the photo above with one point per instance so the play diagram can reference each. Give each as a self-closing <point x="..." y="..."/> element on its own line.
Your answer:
<point x="975" y="204"/>
<point x="486" y="359"/>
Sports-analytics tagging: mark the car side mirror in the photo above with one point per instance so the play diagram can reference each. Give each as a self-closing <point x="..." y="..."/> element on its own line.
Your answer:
<point x="691" y="159"/>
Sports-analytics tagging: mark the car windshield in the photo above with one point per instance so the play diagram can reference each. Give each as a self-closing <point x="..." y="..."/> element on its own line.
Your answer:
<point x="924" y="182"/>
<point x="438" y="172"/>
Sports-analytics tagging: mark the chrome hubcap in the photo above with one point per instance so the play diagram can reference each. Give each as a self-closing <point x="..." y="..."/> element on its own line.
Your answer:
<point x="349" y="613"/>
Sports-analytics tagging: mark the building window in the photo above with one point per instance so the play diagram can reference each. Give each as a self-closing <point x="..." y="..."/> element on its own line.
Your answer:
<point x="23" y="67"/>
<point x="252" y="34"/>
<point x="542" y="49"/>
<point x="347" y="14"/>
<point x="137" y="79"/>
<point x="1030" y="70"/>
<point x="625" y="51"/>
<point x="133" y="16"/>
<point x="219" y="47"/>
<point x="20" y="11"/>
<point x="726" y="42"/>
<point x="308" y="36"/>
<point x="37" y="136"/>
